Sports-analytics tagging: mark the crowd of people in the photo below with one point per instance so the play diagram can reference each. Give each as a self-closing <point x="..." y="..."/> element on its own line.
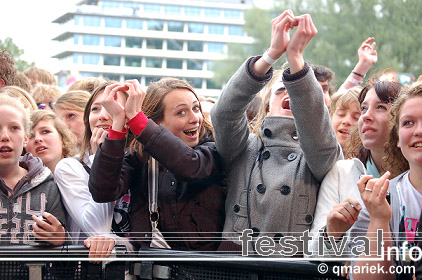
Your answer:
<point x="279" y="153"/>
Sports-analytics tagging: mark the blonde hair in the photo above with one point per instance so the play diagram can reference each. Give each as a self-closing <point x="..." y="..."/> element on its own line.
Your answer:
<point x="10" y="101"/>
<point x="37" y="75"/>
<point x="265" y="103"/>
<point x="68" y="138"/>
<point x="41" y="91"/>
<point x="73" y="100"/>
<point x="344" y="99"/>
<point x="17" y="92"/>
<point x="87" y="84"/>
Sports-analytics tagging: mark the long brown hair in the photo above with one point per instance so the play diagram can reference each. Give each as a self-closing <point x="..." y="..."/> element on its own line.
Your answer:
<point x="394" y="160"/>
<point x="387" y="92"/>
<point x="153" y="106"/>
<point x="86" y="145"/>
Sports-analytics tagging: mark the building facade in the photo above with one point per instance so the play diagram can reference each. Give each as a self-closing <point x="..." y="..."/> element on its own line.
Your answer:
<point x="148" y="40"/>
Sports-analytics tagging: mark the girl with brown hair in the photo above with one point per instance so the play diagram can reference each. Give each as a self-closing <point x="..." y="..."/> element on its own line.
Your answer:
<point x="171" y="129"/>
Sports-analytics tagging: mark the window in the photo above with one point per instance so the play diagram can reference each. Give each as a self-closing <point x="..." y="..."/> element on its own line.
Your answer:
<point x="89" y="74"/>
<point x="175" y="26"/>
<point x="77" y="19"/>
<point x="192" y="11"/>
<point x="216" y="29"/>
<point x="196" y="28"/>
<point x="75" y="58"/>
<point x="110" y="4"/>
<point x="76" y="39"/>
<point x="210" y="12"/>
<point x="112" y="60"/>
<point x="111" y="41"/>
<point x="196" y="83"/>
<point x="152" y="8"/>
<point x="149" y="80"/>
<point x="174" y="45"/>
<point x="195" y="46"/>
<point x="236" y="30"/>
<point x="174" y="63"/>
<point x="154" y="44"/>
<point x="113" y="22"/>
<point x="132" y="77"/>
<point x="90" y="40"/>
<point x="215" y="47"/>
<point x="212" y="85"/>
<point x="91" y="21"/>
<point x="112" y="77"/>
<point x="172" y="10"/>
<point x="132" y="61"/>
<point x="195" y="65"/>
<point x="234" y="14"/>
<point x="154" y="62"/>
<point x="134" y="43"/>
<point x="155" y="25"/>
<point x="130" y="5"/>
<point x="134" y="23"/>
<point x="90" y="59"/>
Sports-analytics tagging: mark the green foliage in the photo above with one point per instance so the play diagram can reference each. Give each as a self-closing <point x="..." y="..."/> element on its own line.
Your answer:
<point x="16" y="53"/>
<point x="342" y="27"/>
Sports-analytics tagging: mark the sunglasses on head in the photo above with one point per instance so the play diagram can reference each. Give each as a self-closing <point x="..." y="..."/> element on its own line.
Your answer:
<point x="43" y="105"/>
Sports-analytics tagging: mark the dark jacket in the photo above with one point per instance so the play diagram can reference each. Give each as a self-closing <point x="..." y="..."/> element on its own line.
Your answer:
<point x="190" y="197"/>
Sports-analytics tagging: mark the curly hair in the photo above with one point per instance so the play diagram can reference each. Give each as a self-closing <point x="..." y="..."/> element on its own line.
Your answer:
<point x="7" y="68"/>
<point x="68" y="138"/>
<point x="387" y="92"/>
<point x="394" y="160"/>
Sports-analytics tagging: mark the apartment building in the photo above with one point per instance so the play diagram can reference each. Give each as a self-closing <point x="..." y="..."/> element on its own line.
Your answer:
<point x="148" y="40"/>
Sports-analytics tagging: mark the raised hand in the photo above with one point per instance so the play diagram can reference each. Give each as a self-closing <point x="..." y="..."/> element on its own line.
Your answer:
<point x="367" y="53"/>
<point x="49" y="229"/>
<point x="136" y="97"/>
<point x="99" y="247"/>
<point x="111" y="103"/>
<point x="373" y="193"/>
<point x="303" y="34"/>
<point x="280" y="36"/>
<point x="342" y="217"/>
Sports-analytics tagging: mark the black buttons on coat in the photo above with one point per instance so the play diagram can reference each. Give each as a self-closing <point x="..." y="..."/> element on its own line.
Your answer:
<point x="267" y="132"/>
<point x="292" y="156"/>
<point x="309" y="218"/>
<point x="266" y="154"/>
<point x="277" y="237"/>
<point x="255" y="232"/>
<point x="261" y="188"/>
<point x="236" y="208"/>
<point x="285" y="190"/>
<point x="294" y="135"/>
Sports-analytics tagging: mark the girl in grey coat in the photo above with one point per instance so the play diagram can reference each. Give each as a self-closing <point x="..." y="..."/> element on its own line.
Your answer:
<point x="274" y="175"/>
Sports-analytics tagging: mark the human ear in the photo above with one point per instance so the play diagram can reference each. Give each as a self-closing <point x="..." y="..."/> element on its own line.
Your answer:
<point x="25" y="140"/>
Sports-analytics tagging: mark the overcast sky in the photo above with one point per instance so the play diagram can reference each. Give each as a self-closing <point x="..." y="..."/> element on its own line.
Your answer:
<point x="29" y="24"/>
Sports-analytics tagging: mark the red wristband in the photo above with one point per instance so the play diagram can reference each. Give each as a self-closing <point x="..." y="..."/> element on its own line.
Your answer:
<point x="138" y="123"/>
<point x="113" y="134"/>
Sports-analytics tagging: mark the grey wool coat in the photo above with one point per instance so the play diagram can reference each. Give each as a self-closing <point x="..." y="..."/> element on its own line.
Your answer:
<point x="283" y="171"/>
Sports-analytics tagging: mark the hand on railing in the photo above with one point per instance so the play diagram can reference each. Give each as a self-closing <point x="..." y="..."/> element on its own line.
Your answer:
<point x="99" y="247"/>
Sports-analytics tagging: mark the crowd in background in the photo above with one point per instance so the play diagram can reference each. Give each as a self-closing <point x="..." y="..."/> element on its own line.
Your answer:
<point x="280" y="152"/>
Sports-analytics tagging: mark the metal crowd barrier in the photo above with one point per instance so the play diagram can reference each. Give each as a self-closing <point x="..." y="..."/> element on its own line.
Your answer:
<point x="71" y="262"/>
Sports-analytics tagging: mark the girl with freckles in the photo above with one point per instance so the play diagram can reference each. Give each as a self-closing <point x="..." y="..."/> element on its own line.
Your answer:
<point x="399" y="215"/>
<point x="169" y="126"/>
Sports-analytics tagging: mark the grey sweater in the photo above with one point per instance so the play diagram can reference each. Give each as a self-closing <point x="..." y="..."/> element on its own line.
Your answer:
<point x="34" y="194"/>
<point x="284" y="171"/>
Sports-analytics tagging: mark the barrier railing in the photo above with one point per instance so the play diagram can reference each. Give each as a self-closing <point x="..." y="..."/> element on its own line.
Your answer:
<point x="70" y="262"/>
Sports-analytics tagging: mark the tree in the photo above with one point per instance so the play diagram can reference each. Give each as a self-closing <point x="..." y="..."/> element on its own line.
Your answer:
<point x="342" y="27"/>
<point x="16" y="53"/>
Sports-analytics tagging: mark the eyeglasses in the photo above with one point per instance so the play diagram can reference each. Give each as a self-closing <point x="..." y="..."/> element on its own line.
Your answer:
<point x="43" y="105"/>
